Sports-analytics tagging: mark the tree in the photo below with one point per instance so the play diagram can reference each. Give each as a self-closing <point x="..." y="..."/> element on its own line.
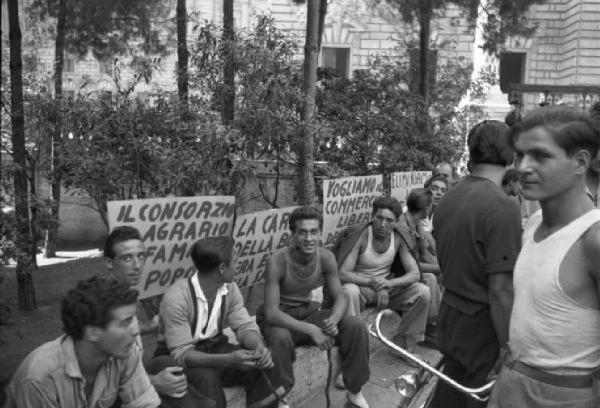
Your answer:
<point x="59" y="52"/>
<point x="25" y="256"/>
<point x="229" y="63"/>
<point x="106" y="28"/>
<point x="316" y="11"/>
<point x="374" y="121"/>
<point x="182" y="53"/>
<point x="504" y="18"/>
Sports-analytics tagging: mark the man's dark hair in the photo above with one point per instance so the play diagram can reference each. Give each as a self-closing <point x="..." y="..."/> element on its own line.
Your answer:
<point x="511" y="176"/>
<point x="208" y="253"/>
<point x="91" y="304"/>
<point x="388" y="203"/>
<point x="436" y="177"/>
<point x="306" y="212"/>
<point x="118" y="235"/>
<point x="489" y="143"/>
<point x="572" y="129"/>
<point x="513" y="117"/>
<point x="419" y="199"/>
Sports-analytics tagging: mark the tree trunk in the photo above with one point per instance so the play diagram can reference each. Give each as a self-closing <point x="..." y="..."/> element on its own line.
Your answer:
<point x="59" y="50"/>
<point x="25" y="265"/>
<point x="182" y="54"/>
<point x="322" y="15"/>
<point x="229" y="63"/>
<point x="424" y="34"/>
<point x="306" y="180"/>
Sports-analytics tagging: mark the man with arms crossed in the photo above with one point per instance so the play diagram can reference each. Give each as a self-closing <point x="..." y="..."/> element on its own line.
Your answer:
<point x="477" y="229"/>
<point x="291" y="318"/>
<point x="193" y="314"/>
<point x="553" y="358"/>
<point x="366" y="273"/>
<point x="94" y="362"/>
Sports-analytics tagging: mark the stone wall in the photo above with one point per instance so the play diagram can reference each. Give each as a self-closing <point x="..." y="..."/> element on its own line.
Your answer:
<point x="565" y="50"/>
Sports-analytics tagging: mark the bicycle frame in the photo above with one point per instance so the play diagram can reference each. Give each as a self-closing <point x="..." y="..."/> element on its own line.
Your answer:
<point x="476" y="393"/>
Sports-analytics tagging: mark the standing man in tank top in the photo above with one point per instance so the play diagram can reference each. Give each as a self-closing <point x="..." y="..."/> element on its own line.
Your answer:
<point x="290" y="318"/>
<point x="366" y="272"/>
<point x="553" y="354"/>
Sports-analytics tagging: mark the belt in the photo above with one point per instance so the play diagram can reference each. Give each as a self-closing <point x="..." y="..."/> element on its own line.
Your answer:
<point x="559" y="380"/>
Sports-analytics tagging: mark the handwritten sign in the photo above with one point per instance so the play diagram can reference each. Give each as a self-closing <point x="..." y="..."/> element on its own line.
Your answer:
<point x="169" y="227"/>
<point x="404" y="181"/>
<point x="348" y="201"/>
<point x="256" y="236"/>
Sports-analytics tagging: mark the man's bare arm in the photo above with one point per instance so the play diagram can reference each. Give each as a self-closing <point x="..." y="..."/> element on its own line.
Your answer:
<point x="430" y="268"/>
<point x="347" y="274"/>
<point x="330" y="275"/>
<point x="591" y="248"/>
<point x="501" y="300"/>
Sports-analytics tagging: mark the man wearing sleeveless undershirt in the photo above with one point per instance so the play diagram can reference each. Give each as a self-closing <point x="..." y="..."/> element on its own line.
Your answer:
<point x="553" y="353"/>
<point x="366" y="273"/>
<point x="290" y="318"/>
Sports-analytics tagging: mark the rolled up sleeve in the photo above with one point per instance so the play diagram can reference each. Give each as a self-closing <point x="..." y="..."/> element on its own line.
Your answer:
<point x="503" y="238"/>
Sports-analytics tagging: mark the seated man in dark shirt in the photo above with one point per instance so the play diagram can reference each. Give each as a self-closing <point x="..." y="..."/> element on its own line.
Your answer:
<point x="291" y="318"/>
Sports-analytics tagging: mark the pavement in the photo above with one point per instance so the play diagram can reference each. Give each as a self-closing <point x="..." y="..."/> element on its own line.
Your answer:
<point x="380" y="391"/>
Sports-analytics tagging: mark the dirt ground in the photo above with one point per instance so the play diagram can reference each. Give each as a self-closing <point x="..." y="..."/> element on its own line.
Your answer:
<point x="27" y="330"/>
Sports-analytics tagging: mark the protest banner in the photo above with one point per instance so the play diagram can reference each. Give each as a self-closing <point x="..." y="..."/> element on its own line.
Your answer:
<point x="256" y="236"/>
<point x="169" y="227"/>
<point x="348" y="201"/>
<point x="404" y="181"/>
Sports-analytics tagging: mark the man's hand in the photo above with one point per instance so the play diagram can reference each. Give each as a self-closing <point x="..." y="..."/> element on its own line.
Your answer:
<point x="383" y="299"/>
<point x="330" y="327"/>
<point x="244" y="359"/>
<point x="380" y="283"/>
<point x="170" y="382"/>
<point x="265" y="360"/>
<point x="495" y="371"/>
<point x="321" y="340"/>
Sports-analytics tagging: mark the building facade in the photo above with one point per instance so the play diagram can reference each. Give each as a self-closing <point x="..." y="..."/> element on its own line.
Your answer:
<point x="560" y="63"/>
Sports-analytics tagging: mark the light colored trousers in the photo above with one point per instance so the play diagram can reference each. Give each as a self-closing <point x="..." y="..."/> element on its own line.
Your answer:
<point x="516" y="390"/>
<point x="411" y="301"/>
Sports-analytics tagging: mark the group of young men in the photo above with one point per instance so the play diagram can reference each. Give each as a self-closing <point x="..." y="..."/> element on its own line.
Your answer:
<point x="545" y="334"/>
<point x="193" y="359"/>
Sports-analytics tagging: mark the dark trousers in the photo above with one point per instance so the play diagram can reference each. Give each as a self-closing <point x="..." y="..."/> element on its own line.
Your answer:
<point x="192" y="399"/>
<point x="352" y="340"/>
<point x="260" y="388"/>
<point x="470" y="349"/>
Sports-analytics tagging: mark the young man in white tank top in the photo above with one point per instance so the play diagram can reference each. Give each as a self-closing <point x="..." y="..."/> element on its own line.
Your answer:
<point x="367" y="277"/>
<point x="553" y="353"/>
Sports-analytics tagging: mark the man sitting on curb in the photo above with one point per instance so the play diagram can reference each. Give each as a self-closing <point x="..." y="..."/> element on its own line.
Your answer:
<point x="95" y="362"/>
<point x="418" y="202"/>
<point x="366" y="256"/>
<point x="193" y="314"/>
<point x="290" y="318"/>
<point x="125" y="255"/>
